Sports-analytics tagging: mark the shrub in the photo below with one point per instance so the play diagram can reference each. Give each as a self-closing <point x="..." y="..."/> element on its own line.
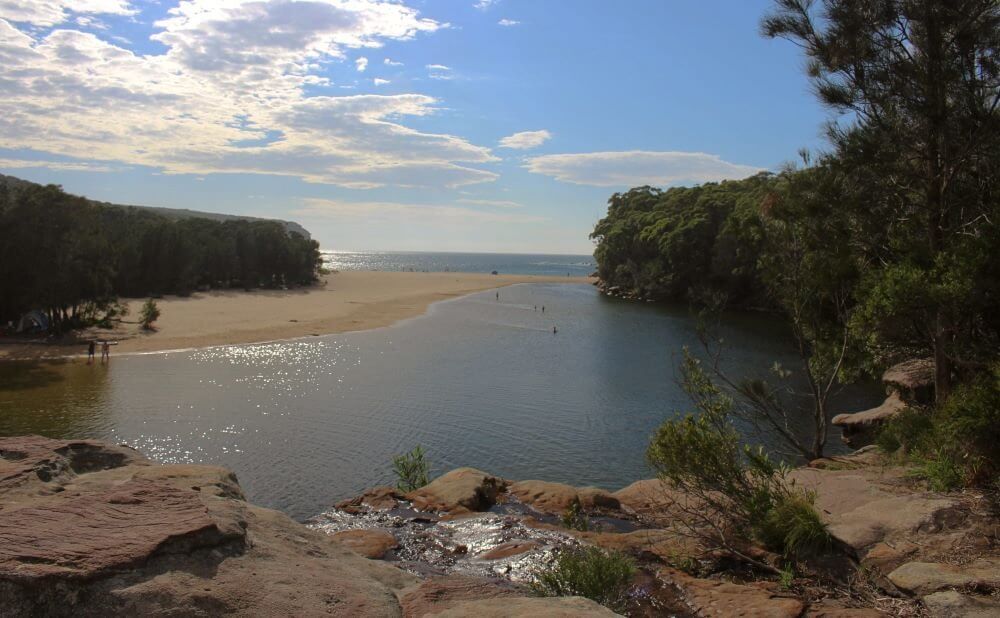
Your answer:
<point x="793" y="526"/>
<point x="906" y="433"/>
<point x="940" y="470"/>
<point x="149" y="314"/>
<point x="601" y="576"/>
<point x="411" y="470"/>
<point x="574" y="517"/>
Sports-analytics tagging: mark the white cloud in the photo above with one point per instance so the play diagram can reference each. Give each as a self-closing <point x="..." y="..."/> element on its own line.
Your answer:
<point x="397" y="212"/>
<point x="378" y="81"/>
<point x="437" y="67"/>
<point x="637" y="167"/>
<point x="392" y="63"/>
<point x="484" y="5"/>
<point x="230" y="80"/>
<point x="494" y="203"/>
<point x="526" y="139"/>
<point x="361" y="64"/>
<point x="67" y="166"/>
<point x="508" y="22"/>
<point x="54" y="12"/>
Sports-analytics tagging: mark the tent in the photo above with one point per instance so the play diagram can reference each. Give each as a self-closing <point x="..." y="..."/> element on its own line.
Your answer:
<point x="33" y="321"/>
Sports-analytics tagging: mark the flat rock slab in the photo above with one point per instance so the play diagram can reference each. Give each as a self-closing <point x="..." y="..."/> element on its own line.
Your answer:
<point x="860" y="421"/>
<point x="923" y="578"/>
<point x="438" y="594"/>
<point x="554" y="607"/>
<point x="462" y="490"/>
<point x="370" y="543"/>
<point x="709" y="597"/>
<point x="82" y="536"/>
<point x="951" y="604"/>
<point x="556" y="498"/>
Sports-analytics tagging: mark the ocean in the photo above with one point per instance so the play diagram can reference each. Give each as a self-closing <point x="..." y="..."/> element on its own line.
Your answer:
<point x="503" y="263"/>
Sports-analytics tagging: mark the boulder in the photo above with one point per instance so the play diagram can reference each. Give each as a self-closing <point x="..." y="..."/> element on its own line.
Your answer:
<point x="923" y="578"/>
<point x="371" y="543"/>
<point x="556" y="498"/>
<point x="434" y="595"/>
<point x="378" y="498"/>
<point x="860" y="428"/>
<point x="952" y="604"/>
<point x="648" y="497"/>
<point x="103" y="532"/>
<point x="913" y="380"/>
<point x="710" y="597"/>
<point x="460" y="491"/>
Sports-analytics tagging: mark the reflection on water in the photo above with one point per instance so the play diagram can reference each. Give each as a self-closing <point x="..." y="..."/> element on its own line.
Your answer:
<point x="476" y="381"/>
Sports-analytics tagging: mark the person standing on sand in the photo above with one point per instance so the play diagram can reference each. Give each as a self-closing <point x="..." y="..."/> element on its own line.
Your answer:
<point x="91" y="347"/>
<point x="498" y="295"/>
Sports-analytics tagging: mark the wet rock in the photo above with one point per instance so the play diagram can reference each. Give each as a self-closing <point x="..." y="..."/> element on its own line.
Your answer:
<point x="460" y="491"/>
<point x="924" y="578"/>
<point x="507" y="550"/>
<point x="373" y="544"/>
<point x="952" y="604"/>
<point x="860" y="428"/>
<point x="383" y="498"/>
<point x="709" y="597"/>
<point x="556" y="498"/>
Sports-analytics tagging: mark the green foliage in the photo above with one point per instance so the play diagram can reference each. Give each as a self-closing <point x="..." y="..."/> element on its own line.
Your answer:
<point x="574" y="518"/>
<point x="602" y="576"/>
<point x="793" y="525"/>
<point x="786" y="578"/>
<point x="72" y="257"/>
<point x="956" y="444"/>
<point x="734" y="487"/>
<point x="411" y="470"/>
<point x="149" y="313"/>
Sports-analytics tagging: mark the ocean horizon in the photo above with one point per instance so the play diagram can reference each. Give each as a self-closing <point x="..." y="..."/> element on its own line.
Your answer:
<point x="570" y="265"/>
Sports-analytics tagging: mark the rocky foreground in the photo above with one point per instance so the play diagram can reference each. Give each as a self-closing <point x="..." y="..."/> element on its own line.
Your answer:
<point x="92" y="529"/>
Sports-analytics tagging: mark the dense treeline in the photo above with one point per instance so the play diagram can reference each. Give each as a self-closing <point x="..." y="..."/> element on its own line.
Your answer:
<point x="72" y="258"/>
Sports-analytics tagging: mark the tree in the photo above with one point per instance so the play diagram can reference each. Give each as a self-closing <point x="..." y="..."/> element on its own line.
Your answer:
<point x="917" y="83"/>
<point x="149" y="314"/>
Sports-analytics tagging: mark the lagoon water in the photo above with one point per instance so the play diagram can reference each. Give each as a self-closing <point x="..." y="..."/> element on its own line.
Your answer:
<point x="477" y="382"/>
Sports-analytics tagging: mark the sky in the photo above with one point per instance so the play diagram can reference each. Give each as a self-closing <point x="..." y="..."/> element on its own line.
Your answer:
<point x="411" y="125"/>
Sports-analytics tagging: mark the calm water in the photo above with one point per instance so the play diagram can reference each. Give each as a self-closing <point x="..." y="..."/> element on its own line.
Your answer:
<point x="504" y="263"/>
<point x="477" y="382"/>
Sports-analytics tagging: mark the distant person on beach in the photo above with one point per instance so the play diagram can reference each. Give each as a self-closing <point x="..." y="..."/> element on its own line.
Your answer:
<point x="554" y="330"/>
<point x="543" y="308"/>
<point x="105" y="352"/>
<point x="536" y="307"/>
<point x="91" y="347"/>
<point x="498" y="295"/>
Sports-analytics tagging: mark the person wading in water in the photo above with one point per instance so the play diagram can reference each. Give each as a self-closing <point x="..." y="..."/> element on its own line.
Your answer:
<point x="91" y="347"/>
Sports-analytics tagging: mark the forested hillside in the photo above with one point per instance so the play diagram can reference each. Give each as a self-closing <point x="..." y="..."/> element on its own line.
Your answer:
<point x="73" y="257"/>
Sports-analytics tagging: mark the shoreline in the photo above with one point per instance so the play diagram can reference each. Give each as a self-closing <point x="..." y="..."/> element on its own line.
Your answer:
<point x="342" y="302"/>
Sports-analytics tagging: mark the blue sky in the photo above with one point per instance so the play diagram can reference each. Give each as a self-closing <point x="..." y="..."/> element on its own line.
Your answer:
<point x="439" y="125"/>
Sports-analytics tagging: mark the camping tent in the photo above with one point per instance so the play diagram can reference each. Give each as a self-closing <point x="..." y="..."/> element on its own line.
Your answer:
<point x="33" y="321"/>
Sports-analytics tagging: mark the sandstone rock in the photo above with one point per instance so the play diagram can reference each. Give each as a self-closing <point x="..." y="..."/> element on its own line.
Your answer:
<point x="923" y="578"/>
<point x="912" y="379"/>
<point x="432" y="596"/>
<point x="649" y="497"/>
<point x="552" y="607"/>
<point x="379" y="498"/>
<point x="952" y="604"/>
<point x="861" y="512"/>
<point x="460" y="491"/>
<point x="556" y="498"/>
<point x="371" y="543"/>
<point x="859" y="429"/>
<point x="820" y="611"/>
<point x="863" y="457"/>
<point x="709" y="597"/>
<point x="662" y="545"/>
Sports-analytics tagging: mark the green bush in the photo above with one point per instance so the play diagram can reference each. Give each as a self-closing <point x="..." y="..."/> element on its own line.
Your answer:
<point x="793" y="526"/>
<point x="149" y="313"/>
<point x="411" y="470"/>
<point x="574" y="518"/>
<point x="601" y="576"/>
<point x="906" y="433"/>
<point x="940" y="470"/>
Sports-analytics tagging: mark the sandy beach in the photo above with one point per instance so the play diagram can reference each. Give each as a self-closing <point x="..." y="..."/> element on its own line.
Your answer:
<point x="341" y="302"/>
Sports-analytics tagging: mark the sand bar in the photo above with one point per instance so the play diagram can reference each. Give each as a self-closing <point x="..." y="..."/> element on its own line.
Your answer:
<point x="341" y="302"/>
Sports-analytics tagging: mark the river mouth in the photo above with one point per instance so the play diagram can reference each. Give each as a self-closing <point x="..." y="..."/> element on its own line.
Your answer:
<point x="477" y="381"/>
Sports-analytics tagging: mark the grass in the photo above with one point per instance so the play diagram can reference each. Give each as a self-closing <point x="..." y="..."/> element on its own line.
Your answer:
<point x="793" y="526"/>
<point x="601" y="576"/>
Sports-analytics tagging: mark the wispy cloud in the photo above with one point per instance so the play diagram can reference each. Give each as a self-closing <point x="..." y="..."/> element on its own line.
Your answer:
<point x="47" y="13"/>
<point x="508" y="22"/>
<point x="437" y="67"/>
<point x="494" y="203"/>
<point x="637" y="167"/>
<point x="378" y="81"/>
<point x="525" y="140"/>
<point x="484" y="5"/>
<point x="396" y="212"/>
<point x="392" y="63"/>
<point x="65" y="166"/>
